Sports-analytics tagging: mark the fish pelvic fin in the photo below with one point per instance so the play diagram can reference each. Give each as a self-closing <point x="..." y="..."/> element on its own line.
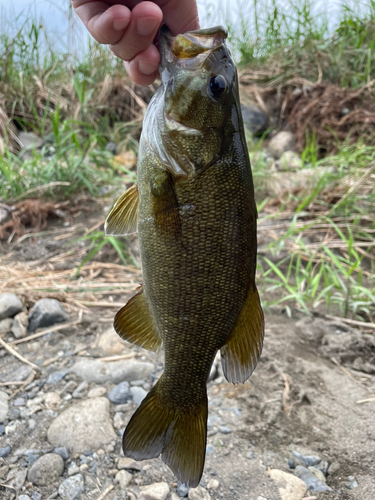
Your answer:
<point x="122" y="219"/>
<point x="240" y="355"/>
<point x="135" y="324"/>
<point x="179" y="434"/>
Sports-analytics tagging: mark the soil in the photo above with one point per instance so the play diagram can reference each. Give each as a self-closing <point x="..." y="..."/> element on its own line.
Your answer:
<point x="313" y="391"/>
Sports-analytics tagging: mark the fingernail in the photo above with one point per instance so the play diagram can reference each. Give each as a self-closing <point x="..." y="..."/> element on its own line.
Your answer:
<point x="147" y="68"/>
<point x="120" y="24"/>
<point x="146" y="25"/>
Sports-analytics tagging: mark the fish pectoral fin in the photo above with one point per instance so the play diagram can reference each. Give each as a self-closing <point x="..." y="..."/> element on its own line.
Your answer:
<point x="134" y="323"/>
<point x="178" y="434"/>
<point x="165" y="205"/>
<point x="122" y="219"/>
<point x="241" y="353"/>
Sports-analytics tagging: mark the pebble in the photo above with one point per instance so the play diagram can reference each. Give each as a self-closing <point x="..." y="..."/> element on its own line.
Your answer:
<point x="19" y="402"/>
<point x="224" y="429"/>
<point x="114" y="372"/>
<point x="20" y="324"/>
<point x="311" y="481"/>
<point x="73" y="469"/>
<point x="2" y="429"/>
<point x="52" y="400"/>
<point x="307" y="460"/>
<point x="4" y="452"/>
<point x="138" y="394"/>
<point x="84" y="426"/>
<point x="72" y="488"/>
<point x="213" y="484"/>
<point x="128" y="463"/>
<point x="10" y="305"/>
<point x="124" y="478"/>
<point x="110" y="343"/>
<point x="250" y="455"/>
<point x="36" y="496"/>
<point x="351" y="483"/>
<point x="46" y="312"/>
<point x="46" y="469"/>
<point x="5" y="326"/>
<point x="63" y="452"/>
<point x="24" y="497"/>
<point x="290" y="487"/>
<point x="4" y="406"/>
<point x="290" y="160"/>
<point x="81" y="390"/>
<point x="318" y="473"/>
<point x="31" y="424"/>
<point x="281" y="142"/>
<point x="155" y="491"/>
<point x="30" y="140"/>
<point x="182" y="490"/>
<point x="19" y="479"/>
<point x="199" y="493"/>
<point x="120" y="394"/>
<point x="55" y="377"/>
<point x="97" y="392"/>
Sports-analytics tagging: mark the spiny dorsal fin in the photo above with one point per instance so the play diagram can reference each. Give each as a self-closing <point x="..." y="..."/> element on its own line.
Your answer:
<point x="134" y="323"/>
<point x="241" y="353"/>
<point x="122" y="219"/>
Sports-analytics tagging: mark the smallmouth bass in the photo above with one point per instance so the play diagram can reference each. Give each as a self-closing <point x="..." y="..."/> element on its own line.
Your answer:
<point x="195" y="214"/>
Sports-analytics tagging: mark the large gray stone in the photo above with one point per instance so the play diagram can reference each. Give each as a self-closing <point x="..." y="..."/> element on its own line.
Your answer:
<point x="255" y="120"/>
<point x="84" y="426"/>
<point x="72" y="488"/>
<point x="4" y="406"/>
<point x="101" y="372"/>
<point x="46" y="469"/>
<point x="10" y="305"/>
<point x="30" y="140"/>
<point x="46" y="312"/>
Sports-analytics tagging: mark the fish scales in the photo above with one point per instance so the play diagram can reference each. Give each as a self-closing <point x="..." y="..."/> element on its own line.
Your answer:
<point x="195" y="214"/>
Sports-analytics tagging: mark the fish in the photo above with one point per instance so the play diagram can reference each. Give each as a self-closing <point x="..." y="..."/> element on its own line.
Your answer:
<point x="194" y="210"/>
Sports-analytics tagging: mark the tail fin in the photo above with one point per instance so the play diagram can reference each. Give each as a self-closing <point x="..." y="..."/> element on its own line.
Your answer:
<point x="178" y="434"/>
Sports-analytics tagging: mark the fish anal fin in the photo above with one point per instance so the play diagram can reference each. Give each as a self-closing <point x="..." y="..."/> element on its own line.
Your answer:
<point x="165" y="205"/>
<point x="122" y="219"/>
<point x="134" y="323"/>
<point x="178" y="434"/>
<point x="241" y="353"/>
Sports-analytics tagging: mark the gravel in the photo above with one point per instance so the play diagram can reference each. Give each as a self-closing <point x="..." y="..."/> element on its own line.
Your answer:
<point x="72" y="488"/>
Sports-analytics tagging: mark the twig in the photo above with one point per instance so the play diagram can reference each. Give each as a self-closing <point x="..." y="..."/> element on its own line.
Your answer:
<point x="287" y="384"/>
<point x="18" y="355"/>
<point x="351" y="321"/>
<point x="41" y="188"/>
<point x="344" y="370"/>
<point x="105" y="492"/>
<point x="24" y="384"/>
<point x="102" y="304"/>
<point x="13" y="382"/>
<point x="368" y="400"/>
<point x="120" y="356"/>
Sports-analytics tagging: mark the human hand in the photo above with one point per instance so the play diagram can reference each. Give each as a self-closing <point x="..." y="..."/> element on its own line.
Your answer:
<point x="129" y="28"/>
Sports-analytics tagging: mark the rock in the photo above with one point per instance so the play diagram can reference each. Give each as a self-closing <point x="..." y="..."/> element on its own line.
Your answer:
<point x="46" y="312"/>
<point x="311" y="481"/>
<point x="124" y="478"/>
<point x="5" y="326"/>
<point x="138" y="394"/>
<point x="110" y="342"/>
<point x="24" y="497"/>
<point x="120" y="394"/>
<point x="73" y="469"/>
<point x="290" y="487"/>
<point x="198" y="493"/>
<point x="55" y="377"/>
<point x="63" y="452"/>
<point x="100" y="372"/>
<point x="4" y="406"/>
<point x="128" y="463"/>
<point x="317" y="473"/>
<point x="19" y="479"/>
<point x="224" y="429"/>
<point x="213" y="484"/>
<point x="10" y="305"/>
<point x="30" y="140"/>
<point x="278" y="183"/>
<point x="281" y="142"/>
<point x="72" y="488"/>
<point x="351" y="483"/>
<point x="290" y="160"/>
<point x="255" y="120"/>
<point x="307" y="460"/>
<point x="119" y="421"/>
<point x="52" y="400"/>
<point x="84" y="426"/>
<point x="20" y="324"/>
<point x="46" y="469"/>
<point x="155" y="491"/>
<point x="81" y="390"/>
<point x="5" y="451"/>
<point x="182" y="490"/>
<point x="97" y="392"/>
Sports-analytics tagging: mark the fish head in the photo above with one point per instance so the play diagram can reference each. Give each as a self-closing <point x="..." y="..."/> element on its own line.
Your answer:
<point x="199" y="82"/>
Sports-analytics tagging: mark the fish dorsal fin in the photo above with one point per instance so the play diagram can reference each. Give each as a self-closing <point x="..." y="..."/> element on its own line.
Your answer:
<point x="135" y="324"/>
<point x="241" y="353"/>
<point x="122" y="219"/>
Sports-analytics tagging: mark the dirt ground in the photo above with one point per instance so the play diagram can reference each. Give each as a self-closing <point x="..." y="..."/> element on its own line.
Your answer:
<point x="313" y="392"/>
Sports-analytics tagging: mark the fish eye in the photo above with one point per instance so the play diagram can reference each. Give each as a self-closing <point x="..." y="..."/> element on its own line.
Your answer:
<point x="218" y="86"/>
